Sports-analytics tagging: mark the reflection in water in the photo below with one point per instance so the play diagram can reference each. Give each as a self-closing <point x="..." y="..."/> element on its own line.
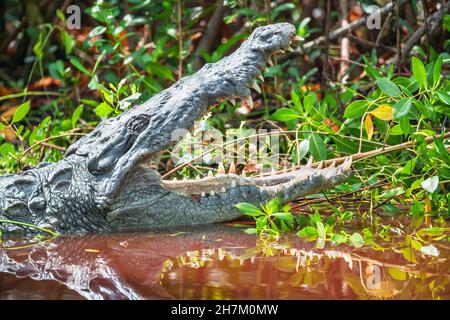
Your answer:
<point x="213" y="262"/>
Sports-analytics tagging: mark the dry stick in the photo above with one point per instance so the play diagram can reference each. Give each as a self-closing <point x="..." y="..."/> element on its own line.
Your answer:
<point x="53" y="146"/>
<point x="433" y="22"/>
<point x="399" y="51"/>
<point x="352" y="26"/>
<point x="345" y="44"/>
<point x="180" y="41"/>
<point x="333" y="35"/>
<point x="45" y="140"/>
<point x="327" y="44"/>
<point x="380" y="151"/>
<point x="425" y="14"/>
<point x="210" y="34"/>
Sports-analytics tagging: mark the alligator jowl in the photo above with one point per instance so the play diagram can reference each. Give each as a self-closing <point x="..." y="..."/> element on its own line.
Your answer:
<point x="107" y="180"/>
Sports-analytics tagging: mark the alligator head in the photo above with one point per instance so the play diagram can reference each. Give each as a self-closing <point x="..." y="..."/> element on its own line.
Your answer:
<point x="108" y="179"/>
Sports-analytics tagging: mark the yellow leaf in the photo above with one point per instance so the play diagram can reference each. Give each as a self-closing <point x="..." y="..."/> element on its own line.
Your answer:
<point x="368" y="124"/>
<point x="383" y="113"/>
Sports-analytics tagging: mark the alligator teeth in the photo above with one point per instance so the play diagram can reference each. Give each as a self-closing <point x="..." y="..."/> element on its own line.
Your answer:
<point x="175" y="179"/>
<point x="332" y="165"/>
<point x="203" y="195"/>
<point x="279" y="51"/>
<point x="290" y="49"/>
<point x="264" y="185"/>
<point x="221" y="168"/>
<point x="232" y="168"/>
<point x="347" y="163"/>
<point x="269" y="61"/>
<point x="244" y="174"/>
<point x="210" y="174"/>
<point x="309" y="163"/>
<point x="260" y="77"/>
<point x="224" y="190"/>
<point x="256" y="87"/>
<point x="320" y="165"/>
<point x="233" y="101"/>
<point x="249" y="101"/>
<point x="297" y="38"/>
<point x="212" y="193"/>
<point x="233" y="184"/>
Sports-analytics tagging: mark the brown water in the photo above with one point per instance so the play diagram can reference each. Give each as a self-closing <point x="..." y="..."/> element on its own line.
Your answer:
<point x="214" y="262"/>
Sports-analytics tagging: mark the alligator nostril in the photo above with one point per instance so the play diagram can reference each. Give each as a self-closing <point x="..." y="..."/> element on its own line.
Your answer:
<point x="37" y="204"/>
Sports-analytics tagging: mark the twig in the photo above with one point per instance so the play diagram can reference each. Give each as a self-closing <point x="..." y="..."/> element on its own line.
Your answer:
<point x="433" y="21"/>
<point x="425" y="14"/>
<point x="327" y="44"/>
<point x="180" y="41"/>
<point x="29" y="93"/>
<point x="209" y="34"/>
<point x="45" y="140"/>
<point x="345" y="44"/>
<point x="399" y="51"/>
<point x="53" y="146"/>
<point x="380" y="151"/>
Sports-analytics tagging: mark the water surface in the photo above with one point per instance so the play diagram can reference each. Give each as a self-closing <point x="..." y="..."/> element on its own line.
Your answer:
<point x="214" y="262"/>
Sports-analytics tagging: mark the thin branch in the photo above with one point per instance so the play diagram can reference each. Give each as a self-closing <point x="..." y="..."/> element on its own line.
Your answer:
<point x="433" y="22"/>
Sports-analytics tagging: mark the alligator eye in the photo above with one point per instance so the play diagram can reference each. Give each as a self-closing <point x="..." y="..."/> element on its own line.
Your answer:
<point x="138" y="124"/>
<point x="17" y="211"/>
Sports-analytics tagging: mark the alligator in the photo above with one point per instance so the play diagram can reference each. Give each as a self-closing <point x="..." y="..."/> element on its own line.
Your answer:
<point x="108" y="179"/>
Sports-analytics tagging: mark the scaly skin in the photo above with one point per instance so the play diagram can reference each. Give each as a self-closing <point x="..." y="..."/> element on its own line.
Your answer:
<point x="108" y="181"/>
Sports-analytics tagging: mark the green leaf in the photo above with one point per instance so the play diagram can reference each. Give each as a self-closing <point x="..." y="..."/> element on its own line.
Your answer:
<point x="317" y="147"/>
<point x="430" y="250"/>
<point x="397" y="274"/>
<point x="97" y="31"/>
<point x="250" y="230"/>
<point x="76" y="115"/>
<point x="103" y="110"/>
<point x="308" y="103"/>
<point x="357" y="240"/>
<point x="7" y="148"/>
<point x="285" y="114"/>
<point x="431" y="184"/>
<point x="77" y="64"/>
<point x="162" y="71"/>
<point x="21" y="112"/>
<point x="303" y="149"/>
<point x="405" y="125"/>
<point x="307" y="232"/>
<point x="249" y="209"/>
<point x="419" y="72"/>
<point x="320" y="230"/>
<point x="338" y="238"/>
<point x="66" y="40"/>
<point x="356" y="109"/>
<point x="286" y="216"/>
<point x="444" y="97"/>
<point x="437" y="70"/>
<point x="402" y="108"/>
<point x="388" y="87"/>
<point x="296" y="101"/>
